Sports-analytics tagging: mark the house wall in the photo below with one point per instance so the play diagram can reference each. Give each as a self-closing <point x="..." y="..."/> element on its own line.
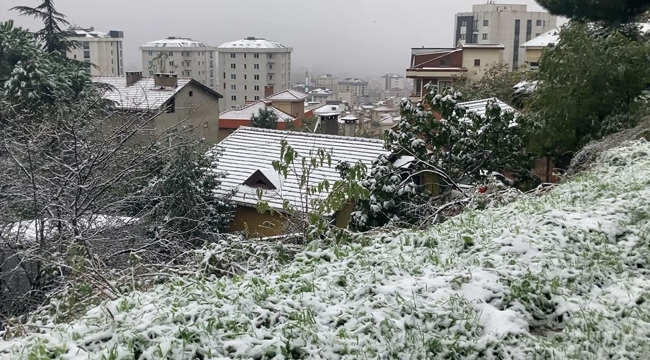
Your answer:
<point x="297" y="108"/>
<point x="197" y="63"/>
<point x="487" y="57"/>
<point x="533" y="55"/>
<point x="258" y="225"/>
<point x="343" y="217"/>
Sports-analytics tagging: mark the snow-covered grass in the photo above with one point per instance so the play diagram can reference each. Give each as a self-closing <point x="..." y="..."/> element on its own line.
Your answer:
<point x="564" y="275"/>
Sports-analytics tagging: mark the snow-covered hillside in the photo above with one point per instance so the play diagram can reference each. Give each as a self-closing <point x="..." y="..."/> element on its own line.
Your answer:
<point x="564" y="275"/>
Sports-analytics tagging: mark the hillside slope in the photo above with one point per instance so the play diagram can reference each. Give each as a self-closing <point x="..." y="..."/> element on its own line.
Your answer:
<point x="564" y="275"/>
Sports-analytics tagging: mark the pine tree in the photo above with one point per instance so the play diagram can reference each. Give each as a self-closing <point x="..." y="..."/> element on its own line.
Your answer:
<point x="52" y="35"/>
<point x="265" y="119"/>
<point x="610" y="12"/>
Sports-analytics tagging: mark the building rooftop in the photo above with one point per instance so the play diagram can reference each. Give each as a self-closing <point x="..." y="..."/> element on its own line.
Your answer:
<point x="252" y="43"/>
<point x="479" y="106"/>
<point x="176" y="42"/>
<point x="483" y="46"/>
<point x="353" y="81"/>
<point x="143" y="95"/>
<point x="546" y="39"/>
<point x="288" y="95"/>
<point x="249" y="150"/>
<point x="91" y="33"/>
<point x="247" y="112"/>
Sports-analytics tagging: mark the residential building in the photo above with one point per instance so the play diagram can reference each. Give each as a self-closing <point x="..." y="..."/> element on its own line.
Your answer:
<point x="393" y="81"/>
<point x="290" y="101"/>
<point x="182" y="56"/>
<point x="174" y="104"/>
<point x="507" y="24"/>
<point x="321" y="95"/>
<point x="102" y="52"/>
<point x="231" y="120"/>
<point x="246" y="156"/>
<point x="328" y="81"/>
<point x="533" y="49"/>
<point x="441" y="65"/>
<point x="355" y="86"/>
<point x="252" y="69"/>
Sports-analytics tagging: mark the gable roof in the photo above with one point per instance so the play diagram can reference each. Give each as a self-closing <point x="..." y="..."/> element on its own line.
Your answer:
<point x="546" y="39"/>
<point x="248" y="150"/>
<point x="288" y="95"/>
<point x="248" y="111"/>
<point x="144" y="94"/>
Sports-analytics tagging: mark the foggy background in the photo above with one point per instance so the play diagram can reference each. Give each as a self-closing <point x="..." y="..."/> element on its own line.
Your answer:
<point x="361" y="38"/>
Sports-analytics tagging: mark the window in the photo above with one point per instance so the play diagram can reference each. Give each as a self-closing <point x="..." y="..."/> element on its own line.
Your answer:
<point x="112" y="62"/>
<point x="463" y="23"/>
<point x="477" y="62"/>
<point x="270" y="77"/>
<point x="257" y="98"/>
<point x="211" y="55"/>
<point x="224" y="75"/>
<point x="211" y="82"/>
<point x="537" y="34"/>
<point x="463" y="36"/>
<point x="474" y="38"/>
<point x="233" y="66"/>
<point x="233" y="98"/>
<point x="86" y="45"/>
<point x="257" y="88"/>
<point x="171" y="53"/>
<point x="485" y="36"/>
<point x="233" y="87"/>
<point x="245" y="87"/>
<point x="191" y="93"/>
<point x="539" y="23"/>
<point x="256" y="66"/>
<point x="75" y="56"/>
<point x="232" y="55"/>
<point x="233" y="76"/>
<point x="256" y="56"/>
<point x="111" y="51"/>
<point x="150" y="72"/>
<point x="475" y="24"/>
<point x="270" y="56"/>
<point x="257" y="77"/>
<point x="245" y="77"/>
<point x="245" y="98"/>
<point x="486" y="23"/>
<point x="171" y="63"/>
<point x="86" y="54"/>
<point x="544" y="23"/>
<point x="271" y="66"/>
<point x="211" y="73"/>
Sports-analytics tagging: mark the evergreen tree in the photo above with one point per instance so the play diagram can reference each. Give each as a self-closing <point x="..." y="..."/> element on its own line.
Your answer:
<point x="611" y="12"/>
<point x="51" y="35"/>
<point x="497" y="82"/>
<point x="265" y="119"/>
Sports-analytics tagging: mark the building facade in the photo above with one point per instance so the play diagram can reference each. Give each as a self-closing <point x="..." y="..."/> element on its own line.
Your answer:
<point x="182" y="56"/>
<point x="393" y="81"/>
<point x="507" y="24"/>
<point x="327" y="81"/>
<point x="253" y="69"/>
<point x="441" y="65"/>
<point x="533" y="49"/>
<point x="355" y="86"/>
<point x="102" y="52"/>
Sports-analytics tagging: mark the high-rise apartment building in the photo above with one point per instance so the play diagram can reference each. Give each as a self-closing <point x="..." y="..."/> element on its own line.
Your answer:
<point x="327" y="81"/>
<point x="182" y="56"/>
<point x="393" y="81"/>
<point x="355" y="86"/>
<point x="102" y="52"/>
<point x="252" y="69"/>
<point x="506" y="24"/>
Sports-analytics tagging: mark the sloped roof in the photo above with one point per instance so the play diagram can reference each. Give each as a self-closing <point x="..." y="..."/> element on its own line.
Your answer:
<point x="353" y="81"/>
<point x="479" y="106"/>
<point x="248" y="150"/>
<point x="546" y="39"/>
<point x="288" y="95"/>
<point x="143" y="95"/>
<point x="252" y="43"/>
<point x="88" y="33"/>
<point x="176" y="42"/>
<point x="248" y="111"/>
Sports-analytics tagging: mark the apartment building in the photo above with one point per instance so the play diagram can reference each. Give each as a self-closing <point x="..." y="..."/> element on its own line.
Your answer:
<point x="533" y="49"/>
<point x="393" y="81"/>
<point x="102" y="52"/>
<point x="182" y="56"/>
<point x="252" y="69"/>
<point x="327" y="81"/>
<point x="355" y="86"/>
<point x="507" y="24"/>
<point x="441" y="65"/>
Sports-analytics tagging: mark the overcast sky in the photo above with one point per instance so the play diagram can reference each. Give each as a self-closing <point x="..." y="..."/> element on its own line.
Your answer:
<point x="344" y="37"/>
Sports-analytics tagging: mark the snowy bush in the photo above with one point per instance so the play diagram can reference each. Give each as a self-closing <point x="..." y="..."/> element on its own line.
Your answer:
<point x="564" y="276"/>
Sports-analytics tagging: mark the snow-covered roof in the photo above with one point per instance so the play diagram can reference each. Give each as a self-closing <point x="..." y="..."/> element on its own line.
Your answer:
<point x="330" y="109"/>
<point x="479" y="106"/>
<point x="176" y="42"/>
<point x="546" y="39"/>
<point x="247" y="112"/>
<point x="87" y="33"/>
<point x="321" y="92"/>
<point x="325" y="76"/>
<point x="483" y="46"/>
<point x="252" y="43"/>
<point x="143" y="95"/>
<point x="353" y="81"/>
<point x="248" y="150"/>
<point x="288" y="95"/>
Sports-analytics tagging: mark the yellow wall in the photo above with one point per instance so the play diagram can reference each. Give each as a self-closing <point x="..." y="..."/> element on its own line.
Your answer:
<point x="532" y="55"/>
<point x="488" y="57"/>
<point x="343" y="217"/>
<point x="296" y="108"/>
<point x="259" y="225"/>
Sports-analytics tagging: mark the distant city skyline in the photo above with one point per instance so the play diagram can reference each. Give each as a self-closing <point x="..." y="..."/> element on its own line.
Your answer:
<point x="360" y="38"/>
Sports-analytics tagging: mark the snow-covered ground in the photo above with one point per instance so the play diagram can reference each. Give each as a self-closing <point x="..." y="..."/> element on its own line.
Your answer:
<point x="560" y="276"/>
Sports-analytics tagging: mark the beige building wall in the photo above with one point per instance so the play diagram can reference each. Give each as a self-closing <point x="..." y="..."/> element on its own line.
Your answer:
<point x="196" y="63"/>
<point x="344" y="96"/>
<point x="486" y="57"/>
<point x="532" y="55"/>
<point x="103" y="52"/>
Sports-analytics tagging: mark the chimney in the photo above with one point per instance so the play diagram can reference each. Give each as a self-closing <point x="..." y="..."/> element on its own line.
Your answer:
<point x="350" y="124"/>
<point x="165" y="80"/>
<point x="133" y="77"/>
<point x="268" y="91"/>
<point x="329" y="123"/>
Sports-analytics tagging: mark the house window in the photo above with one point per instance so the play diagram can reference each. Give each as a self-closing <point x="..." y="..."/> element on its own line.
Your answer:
<point x="270" y="56"/>
<point x="486" y="22"/>
<point x="244" y="55"/>
<point x="257" y="88"/>
<point x="539" y="23"/>
<point x="244" y="66"/>
<point x="150" y="53"/>
<point x="257" y="98"/>
<point x="256" y="66"/>
<point x="233" y="66"/>
<point x="245" y="87"/>
<point x="233" y="76"/>
<point x="463" y="36"/>
<point x="485" y="36"/>
<point x="245" y="77"/>
<point x="224" y="75"/>
<point x="475" y="24"/>
<point x="86" y="45"/>
<point x="150" y="72"/>
<point x="257" y="77"/>
<point x="233" y="98"/>
<point x="171" y="63"/>
<point x="537" y="34"/>
<point x="477" y="62"/>
<point x="86" y="54"/>
<point x="191" y="93"/>
<point x="474" y="38"/>
<point x="232" y="55"/>
<point x="271" y="66"/>
<point x="233" y="87"/>
<point x="256" y="56"/>
<point x="463" y="23"/>
<point x="270" y="77"/>
<point x="171" y="53"/>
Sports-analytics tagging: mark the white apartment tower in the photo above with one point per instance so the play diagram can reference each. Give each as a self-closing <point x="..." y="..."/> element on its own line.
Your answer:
<point x="252" y="69"/>
<point x="506" y="24"/>
<point x="102" y="52"/>
<point x="393" y="81"/>
<point x="182" y="56"/>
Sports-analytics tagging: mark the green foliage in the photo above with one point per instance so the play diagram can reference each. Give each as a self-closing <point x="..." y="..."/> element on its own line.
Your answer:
<point x="497" y="82"/>
<point x="590" y="87"/>
<point x="51" y="35"/>
<point x="607" y="11"/>
<point x="266" y="119"/>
